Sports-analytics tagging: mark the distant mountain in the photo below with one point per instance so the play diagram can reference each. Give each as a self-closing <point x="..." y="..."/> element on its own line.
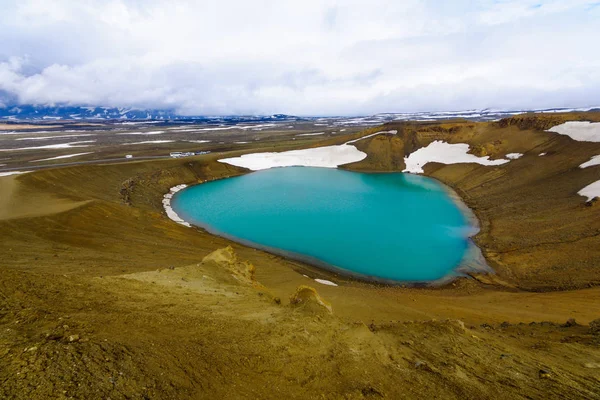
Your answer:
<point x="70" y="113"/>
<point x="64" y="113"/>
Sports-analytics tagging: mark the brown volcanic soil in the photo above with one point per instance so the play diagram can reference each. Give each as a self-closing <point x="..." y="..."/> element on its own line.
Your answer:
<point x="102" y="296"/>
<point x="537" y="232"/>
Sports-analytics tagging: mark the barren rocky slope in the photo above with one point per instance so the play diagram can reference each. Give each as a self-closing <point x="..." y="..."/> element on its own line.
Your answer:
<point x="102" y="296"/>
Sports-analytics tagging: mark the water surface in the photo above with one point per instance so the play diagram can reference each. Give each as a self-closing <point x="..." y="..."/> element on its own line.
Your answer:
<point x="395" y="226"/>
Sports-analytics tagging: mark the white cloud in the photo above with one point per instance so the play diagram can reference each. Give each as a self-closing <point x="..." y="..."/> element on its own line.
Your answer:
<point x="310" y="57"/>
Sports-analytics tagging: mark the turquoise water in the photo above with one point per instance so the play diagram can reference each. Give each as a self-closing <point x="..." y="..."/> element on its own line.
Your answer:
<point x="395" y="226"/>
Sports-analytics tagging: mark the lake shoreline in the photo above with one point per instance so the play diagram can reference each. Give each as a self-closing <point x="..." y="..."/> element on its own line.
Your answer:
<point x="472" y="262"/>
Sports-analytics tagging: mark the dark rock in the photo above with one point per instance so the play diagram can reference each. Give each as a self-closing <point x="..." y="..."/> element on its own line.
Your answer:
<point x="570" y="322"/>
<point x="595" y="327"/>
<point x="54" y="336"/>
<point x="370" y="392"/>
<point x="544" y="374"/>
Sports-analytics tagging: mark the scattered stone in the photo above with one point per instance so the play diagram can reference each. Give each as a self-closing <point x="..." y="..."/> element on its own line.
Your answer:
<point x="171" y="267"/>
<point x="277" y="300"/>
<point x="505" y="325"/>
<point x="544" y="374"/>
<point x="595" y="327"/>
<point x="370" y="392"/>
<point x="54" y="336"/>
<point x="73" y="338"/>
<point x="422" y="365"/>
<point x="592" y="202"/>
<point x="570" y="323"/>
<point x="592" y="365"/>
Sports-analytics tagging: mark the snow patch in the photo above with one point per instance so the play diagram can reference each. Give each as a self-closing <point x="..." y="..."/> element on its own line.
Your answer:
<point x="445" y="153"/>
<point x="141" y="133"/>
<point x="150" y="142"/>
<point x="61" y="157"/>
<point x="12" y="173"/>
<point x="224" y="128"/>
<point x="311" y="134"/>
<point x="55" y="146"/>
<point x="325" y="157"/>
<point x="256" y="127"/>
<point x="593" y="161"/>
<point x="55" y="137"/>
<point x="371" y="135"/>
<point x="514" y="156"/>
<point x="591" y="191"/>
<point x="542" y="154"/>
<point x="582" y="131"/>
<point x="167" y="205"/>
<point x="325" y="282"/>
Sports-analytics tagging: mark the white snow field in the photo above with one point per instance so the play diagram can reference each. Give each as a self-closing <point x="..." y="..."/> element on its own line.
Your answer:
<point x="445" y="153"/>
<point x="326" y="157"/>
<point x="55" y="146"/>
<point x="12" y="173"/>
<point x="311" y="134"/>
<point x="582" y="131"/>
<point x="141" y="133"/>
<point x="593" y="161"/>
<point x="149" y="142"/>
<point x="61" y="157"/>
<point x="590" y="191"/>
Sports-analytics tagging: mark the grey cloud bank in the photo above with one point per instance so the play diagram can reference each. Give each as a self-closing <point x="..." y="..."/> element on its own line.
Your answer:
<point x="303" y="58"/>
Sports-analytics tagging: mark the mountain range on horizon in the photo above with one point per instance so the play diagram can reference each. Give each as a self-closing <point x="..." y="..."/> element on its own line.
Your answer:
<point x="31" y="112"/>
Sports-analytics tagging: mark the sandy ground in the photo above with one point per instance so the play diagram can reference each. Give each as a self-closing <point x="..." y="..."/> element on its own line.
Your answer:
<point x="13" y="206"/>
<point x="101" y="295"/>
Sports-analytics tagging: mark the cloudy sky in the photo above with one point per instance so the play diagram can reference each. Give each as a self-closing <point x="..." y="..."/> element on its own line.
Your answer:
<point x="303" y="57"/>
